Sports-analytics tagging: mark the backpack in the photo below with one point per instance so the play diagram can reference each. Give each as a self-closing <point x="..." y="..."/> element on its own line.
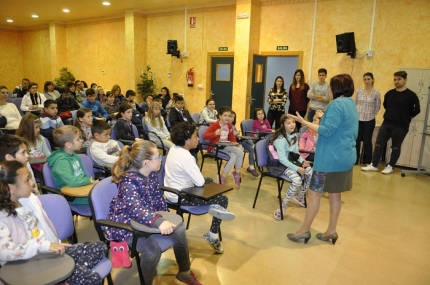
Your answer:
<point x="275" y="167"/>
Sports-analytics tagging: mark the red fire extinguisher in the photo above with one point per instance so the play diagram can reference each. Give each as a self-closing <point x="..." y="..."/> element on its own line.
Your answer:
<point x="190" y="77"/>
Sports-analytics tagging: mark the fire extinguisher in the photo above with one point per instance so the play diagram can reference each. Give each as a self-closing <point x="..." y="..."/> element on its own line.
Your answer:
<point x="190" y="77"/>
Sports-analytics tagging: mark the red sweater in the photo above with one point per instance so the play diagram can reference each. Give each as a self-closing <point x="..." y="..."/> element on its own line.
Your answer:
<point x="213" y="138"/>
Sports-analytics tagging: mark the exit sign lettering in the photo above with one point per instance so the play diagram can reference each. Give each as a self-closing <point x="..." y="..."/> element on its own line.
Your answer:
<point x="223" y="49"/>
<point x="281" y="47"/>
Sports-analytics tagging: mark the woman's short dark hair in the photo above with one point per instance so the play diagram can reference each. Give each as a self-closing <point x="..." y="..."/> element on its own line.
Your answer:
<point x="342" y="84"/>
<point x="45" y="86"/>
<point x="182" y="132"/>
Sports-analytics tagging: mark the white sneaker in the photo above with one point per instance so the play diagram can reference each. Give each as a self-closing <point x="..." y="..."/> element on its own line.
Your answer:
<point x="370" y="167"/>
<point x="387" y="170"/>
<point x="220" y="212"/>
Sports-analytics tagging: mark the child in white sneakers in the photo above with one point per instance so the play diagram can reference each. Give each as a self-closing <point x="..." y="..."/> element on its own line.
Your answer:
<point x="182" y="172"/>
<point x="286" y="144"/>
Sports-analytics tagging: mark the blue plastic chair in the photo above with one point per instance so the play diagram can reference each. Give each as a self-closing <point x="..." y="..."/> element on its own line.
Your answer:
<point x="195" y="117"/>
<point x="100" y="198"/>
<point x="261" y="160"/>
<point x="56" y="207"/>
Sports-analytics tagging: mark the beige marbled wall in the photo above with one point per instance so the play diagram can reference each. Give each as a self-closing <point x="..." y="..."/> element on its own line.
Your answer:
<point x="36" y="56"/>
<point x="96" y="46"/>
<point x="399" y="38"/>
<point x="214" y="28"/>
<point x="58" y="48"/>
<point x="11" y="63"/>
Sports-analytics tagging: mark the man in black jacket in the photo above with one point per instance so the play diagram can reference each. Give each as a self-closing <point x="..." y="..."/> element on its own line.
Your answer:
<point x="66" y="103"/>
<point x="401" y="105"/>
<point x="178" y="113"/>
<point x="21" y="90"/>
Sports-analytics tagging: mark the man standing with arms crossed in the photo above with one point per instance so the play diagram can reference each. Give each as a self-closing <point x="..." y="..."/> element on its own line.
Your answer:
<point x="401" y="105"/>
<point x="318" y="94"/>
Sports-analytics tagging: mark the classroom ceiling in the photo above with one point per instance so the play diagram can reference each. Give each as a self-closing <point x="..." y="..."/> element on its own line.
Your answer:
<point x="21" y="11"/>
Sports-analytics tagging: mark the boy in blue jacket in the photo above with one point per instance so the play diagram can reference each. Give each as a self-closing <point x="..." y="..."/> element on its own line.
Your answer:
<point x="96" y="108"/>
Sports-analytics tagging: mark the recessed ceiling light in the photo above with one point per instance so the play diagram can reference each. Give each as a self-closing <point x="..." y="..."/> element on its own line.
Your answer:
<point x="66" y="10"/>
<point x="34" y="16"/>
<point x="106" y="3"/>
<point x="9" y="21"/>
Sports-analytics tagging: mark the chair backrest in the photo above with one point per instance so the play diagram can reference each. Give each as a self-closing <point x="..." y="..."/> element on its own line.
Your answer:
<point x="135" y="131"/>
<point x="87" y="164"/>
<point x="246" y="126"/>
<point x="168" y="123"/>
<point x="202" y="130"/>
<point x="9" y="94"/>
<point x="58" y="211"/>
<point x="162" y="171"/>
<point x="74" y="112"/>
<point x="195" y="117"/>
<point x="261" y="153"/>
<point x="47" y="176"/>
<point x="48" y="144"/>
<point x="113" y="133"/>
<point x="9" y="100"/>
<point x="17" y="102"/>
<point x="120" y="144"/>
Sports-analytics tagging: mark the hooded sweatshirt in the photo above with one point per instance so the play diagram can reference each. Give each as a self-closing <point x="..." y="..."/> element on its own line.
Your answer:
<point x="67" y="170"/>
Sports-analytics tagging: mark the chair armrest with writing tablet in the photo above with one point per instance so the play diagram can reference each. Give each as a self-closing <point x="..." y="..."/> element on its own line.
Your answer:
<point x="171" y="217"/>
<point x="47" y="189"/>
<point x="171" y="190"/>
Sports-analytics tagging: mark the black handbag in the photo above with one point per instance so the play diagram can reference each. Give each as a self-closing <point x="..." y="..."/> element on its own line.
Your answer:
<point x="294" y="158"/>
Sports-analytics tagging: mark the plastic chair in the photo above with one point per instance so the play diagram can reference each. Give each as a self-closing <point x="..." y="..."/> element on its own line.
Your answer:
<point x="261" y="160"/>
<point x="100" y="198"/>
<point x="51" y="187"/>
<point x="218" y="156"/>
<point x="48" y="144"/>
<point x="180" y="210"/>
<point x="56" y="207"/>
<point x="127" y="142"/>
<point x="98" y="169"/>
<point x="195" y="117"/>
<point x="246" y="127"/>
<point x="147" y="132"/>
<point x="17" y="102"/>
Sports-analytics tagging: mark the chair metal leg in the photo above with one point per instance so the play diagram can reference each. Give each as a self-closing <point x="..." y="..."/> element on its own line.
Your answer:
<point x="109" y="279"/>
<point x="219" y="234"/>
<point x="258" y="190"/>
<point x="142" y="281"/>
<point x="280" y="184"/>
<point x="188" y="221"/>
<point x="203" y="161"/>
<point x="219" y="164"/>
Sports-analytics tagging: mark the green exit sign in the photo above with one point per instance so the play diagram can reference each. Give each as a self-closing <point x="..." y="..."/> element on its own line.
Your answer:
<point x="281" y="47"/>
<point x="223" y="49"/>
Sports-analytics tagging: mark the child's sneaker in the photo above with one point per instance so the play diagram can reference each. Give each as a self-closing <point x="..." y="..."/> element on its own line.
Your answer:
<point x="236" y="178"/>
<point x="221" y="213"/>
<point x="254" y="172"/>
<point x="214" y="243"/>
<point x="189" y="279"/>
<point x="370" y="167"/>
<point x="277" y="213"/>
<point x="222" y="180"/>
<point x="299" y="199"/>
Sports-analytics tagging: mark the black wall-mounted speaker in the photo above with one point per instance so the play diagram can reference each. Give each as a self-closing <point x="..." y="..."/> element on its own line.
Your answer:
<point x="172" y="48"/>
<point x="345" y="43"/>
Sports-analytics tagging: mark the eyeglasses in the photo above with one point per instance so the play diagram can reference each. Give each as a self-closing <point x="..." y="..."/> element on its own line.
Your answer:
<point x="36" y="120"/>
<point x="159" y="157"/>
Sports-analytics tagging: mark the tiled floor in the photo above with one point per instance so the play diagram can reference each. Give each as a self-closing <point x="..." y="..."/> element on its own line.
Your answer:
<point x="384" y="237"/>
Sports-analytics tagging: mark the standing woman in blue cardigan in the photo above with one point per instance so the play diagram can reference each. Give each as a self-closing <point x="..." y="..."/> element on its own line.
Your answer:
<point x="334" y="158"/>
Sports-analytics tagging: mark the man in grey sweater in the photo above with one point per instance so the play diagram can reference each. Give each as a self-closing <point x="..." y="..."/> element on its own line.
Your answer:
<point x="318" y="94"/>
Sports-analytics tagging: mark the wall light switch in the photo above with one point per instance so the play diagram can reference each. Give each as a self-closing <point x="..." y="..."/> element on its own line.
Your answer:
<point x="103" y="72"/>
<point x="200" y="86"/>
<point x="169" y="74"/>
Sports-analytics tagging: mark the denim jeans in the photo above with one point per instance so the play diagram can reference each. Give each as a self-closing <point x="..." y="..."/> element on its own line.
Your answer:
<point x="248" y="145"/>
<point x="365" y="133"/>
<point x="397" y="135"/>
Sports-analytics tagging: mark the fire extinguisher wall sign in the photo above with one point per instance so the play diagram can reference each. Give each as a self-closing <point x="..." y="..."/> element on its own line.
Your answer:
<point x="190" y="77"/>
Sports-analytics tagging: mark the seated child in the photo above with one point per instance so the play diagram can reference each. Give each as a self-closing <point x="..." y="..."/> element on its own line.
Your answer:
<point x="178" y="113"/>
<point x="66" y="165"/>
<point x="155" y="123"/>
<point x="110" y="105"/>
<point x="96" y="108"/>
<point x="182" y="172"/>
<point x="66" y="104"/>
<point x="308" y="140"/>
<point x="209" y="114"/>
<point x="248" y="145"/>
<point x="29" y="130"/>
<point x="83" y="122"/>
<point x="49" y="119"/>
<point x="103" y="149"/>
<point x="285" y="142"/>
<point x="123" y="128"/>
<point x="260" y="123"/>
<point x="139" y="198"/>
<point x="130" y="95"/>
<point x="145" y="105"/>
<point x="222" y="130"/>
<point x="13" y="147"/>
<point x="26" y="229"/>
